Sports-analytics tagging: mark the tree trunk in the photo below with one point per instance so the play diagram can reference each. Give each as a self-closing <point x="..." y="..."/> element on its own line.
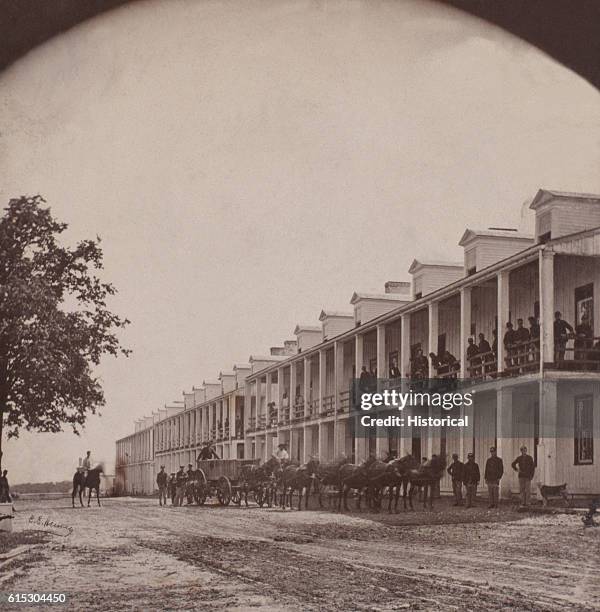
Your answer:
<point x="1" y="434"/>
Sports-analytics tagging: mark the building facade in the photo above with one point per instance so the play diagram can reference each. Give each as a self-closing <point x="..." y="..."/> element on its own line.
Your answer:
<point x="541" y="392"/>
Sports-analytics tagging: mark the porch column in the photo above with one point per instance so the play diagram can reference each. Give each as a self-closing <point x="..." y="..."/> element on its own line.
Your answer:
<point x="307" y="373"/>
<point x="505" y="439"/>
<point x="381" y="437"/>
<point x="268" y="399"/>
<point x="405" y="442"/>
<point x="433" y="324"/>
<point x="246" y="419"/>
<point x="280" y="390"/>
<point x="307" y="436"/>
<point x="324" y="452"/>
<point x="360" y="443"/>
<point x="546" y="276"/>
<point x="358" y="354"/>
<point x="257" y="393"/>
<point x="503" y="314"/>
<point x="404" y="345"/>
<point x="338" y="431"/>
<point x="292" y="394"/>
<point x="293" y="384"/>
<point x="548" y="433"/>
<point x="465" y="329"/>
<point x="382" y="370"/>
<point x="322" y="379"/>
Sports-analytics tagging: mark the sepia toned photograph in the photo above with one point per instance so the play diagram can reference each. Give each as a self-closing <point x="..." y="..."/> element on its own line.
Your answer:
<point x="298" y="305"/>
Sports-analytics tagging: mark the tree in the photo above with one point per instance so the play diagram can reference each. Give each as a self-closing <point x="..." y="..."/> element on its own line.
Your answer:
<point x="54" y="323"/>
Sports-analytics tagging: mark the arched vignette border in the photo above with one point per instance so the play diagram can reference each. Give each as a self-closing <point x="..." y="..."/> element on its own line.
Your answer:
<point x="567" y="30"/>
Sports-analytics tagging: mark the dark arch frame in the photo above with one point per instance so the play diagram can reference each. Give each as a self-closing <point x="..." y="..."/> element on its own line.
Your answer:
<point x="567" y="30"/>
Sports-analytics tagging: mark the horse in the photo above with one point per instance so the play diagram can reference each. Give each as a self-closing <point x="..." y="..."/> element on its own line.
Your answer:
<point x="328" y="474"/>
<point x="425" y="476"/>
<point x="260" y="479"/>
<point x="91" y="482"/>
<point x="392" y="475"/>
<point x="78" y="486"/>
<point x="297" y="478"/>
<point x="353" y="476"/>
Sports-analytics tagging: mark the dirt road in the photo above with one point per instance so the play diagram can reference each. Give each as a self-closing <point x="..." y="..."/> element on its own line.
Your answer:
<point x="133" y="555"/>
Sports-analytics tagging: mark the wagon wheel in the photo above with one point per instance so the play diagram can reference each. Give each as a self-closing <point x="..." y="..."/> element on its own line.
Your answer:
<point x="201" y="488"/>
<point x="224" y="491"/>
<point x="259" y="495"/>
<point x="236" y="496"/>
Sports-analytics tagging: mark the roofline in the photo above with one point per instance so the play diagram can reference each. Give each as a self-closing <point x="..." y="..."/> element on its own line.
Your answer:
<point x="416" y="265"/>
<point x="561" y="195"/>
<point x="470" y="234"/>
<point x="309" y="328"/>
<point x="332" y="313"/>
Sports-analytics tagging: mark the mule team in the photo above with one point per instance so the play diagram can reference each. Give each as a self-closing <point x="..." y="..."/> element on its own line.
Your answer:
<point x="277" y="480"/>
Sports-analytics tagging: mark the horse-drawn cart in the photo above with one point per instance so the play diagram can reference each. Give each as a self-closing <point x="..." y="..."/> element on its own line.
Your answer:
<point x="221" y="478"/>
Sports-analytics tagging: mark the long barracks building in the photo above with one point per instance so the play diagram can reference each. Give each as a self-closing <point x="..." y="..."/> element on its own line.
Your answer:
<point x="539" y="393"/>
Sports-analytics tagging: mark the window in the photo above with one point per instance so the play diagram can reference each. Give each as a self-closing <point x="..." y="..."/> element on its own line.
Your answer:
<point x="584" y="305"/>
<point x="584" y="430"/>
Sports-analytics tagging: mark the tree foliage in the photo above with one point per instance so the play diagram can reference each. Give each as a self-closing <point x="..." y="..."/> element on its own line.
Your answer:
<point x="54" y="323"/>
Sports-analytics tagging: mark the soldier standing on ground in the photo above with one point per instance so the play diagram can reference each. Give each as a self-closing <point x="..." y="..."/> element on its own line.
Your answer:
<point x="455" y="469"/>
<point x="494" y="470"/>
<point x="180" y="480"/>
<point x="5" y="497"/>
<point x="471" y="478"/>
<point x="525" y="465"/>
<point x="161" y="481"/>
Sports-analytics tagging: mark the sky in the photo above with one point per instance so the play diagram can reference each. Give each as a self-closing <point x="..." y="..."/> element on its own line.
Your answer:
<point x="247" y="164"/>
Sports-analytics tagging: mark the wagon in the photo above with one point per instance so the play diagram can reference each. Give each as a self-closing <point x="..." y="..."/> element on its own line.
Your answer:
<point x="221" y="478"/>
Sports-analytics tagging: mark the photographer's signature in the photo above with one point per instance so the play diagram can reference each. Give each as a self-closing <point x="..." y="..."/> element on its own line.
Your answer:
<point x="49" y="525"/>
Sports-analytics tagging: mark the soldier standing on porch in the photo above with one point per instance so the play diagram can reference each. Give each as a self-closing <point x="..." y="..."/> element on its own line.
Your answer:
<point x="494" y="470"/>
<point x="525" y="465"/>
<point x="455" y="469"/>
<point x="562" y="329"/>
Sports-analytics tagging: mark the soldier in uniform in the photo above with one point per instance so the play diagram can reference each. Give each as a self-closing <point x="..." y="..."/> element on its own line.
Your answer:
<point x="189" y="486"/>
<point x="180" y="481"/>
<point x="4" y="489"/>
<point x="471" y="478"/>
<point x="172" y="488"/>
<point x="455" y="469"/>
<point x="161" y="481"/>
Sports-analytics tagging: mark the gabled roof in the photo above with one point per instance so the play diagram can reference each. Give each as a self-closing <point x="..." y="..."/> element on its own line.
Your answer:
<point x="206" y="383"/>
<point x="241" y="366"/>
<point x="543" y="196"/>
<point x="417" y="264"/>
<point x="306" y="328"/>
<point x="226" y="373"/>
<point x="335" y="313"/>
<point x="388" y="297"/>
<point x="471" y="234"/>
<point x="266" y="357"/>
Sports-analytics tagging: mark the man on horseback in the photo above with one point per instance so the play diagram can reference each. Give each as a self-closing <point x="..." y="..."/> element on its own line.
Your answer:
<point x="86" y="464"/>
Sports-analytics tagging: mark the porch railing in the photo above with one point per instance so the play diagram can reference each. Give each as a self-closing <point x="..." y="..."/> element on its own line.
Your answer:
<point x="327" y="406"/>
<point x="344" y="401"/>
<point x="298" y="411"/>
<point x="584" y="356"/>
